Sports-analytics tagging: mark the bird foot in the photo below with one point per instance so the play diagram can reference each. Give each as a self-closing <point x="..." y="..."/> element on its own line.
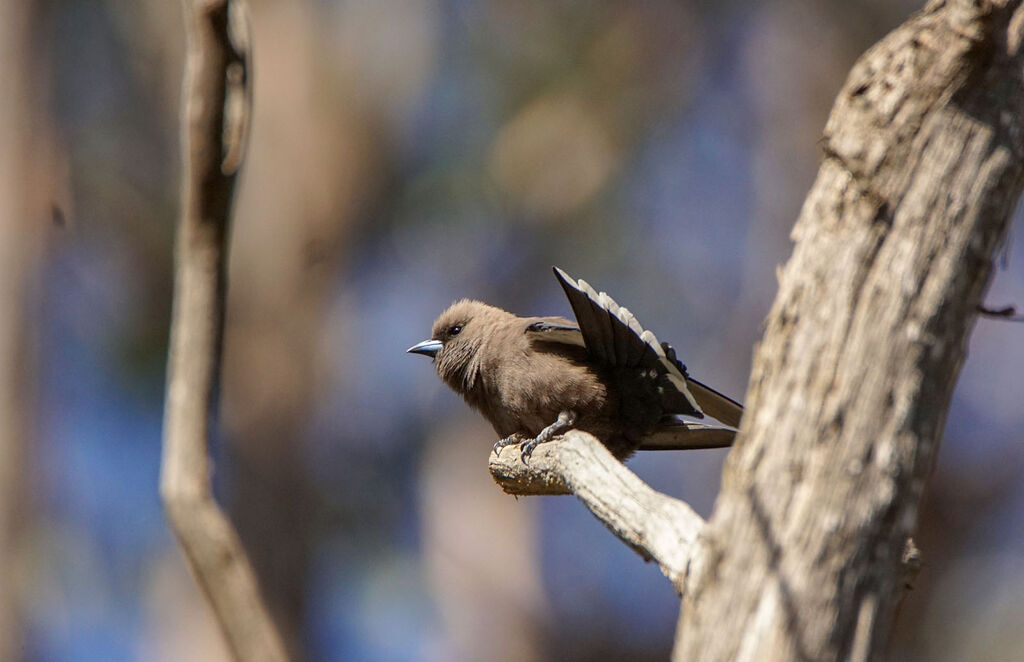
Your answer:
<point x="515" y="438"/>
<point x="565" y="420"/>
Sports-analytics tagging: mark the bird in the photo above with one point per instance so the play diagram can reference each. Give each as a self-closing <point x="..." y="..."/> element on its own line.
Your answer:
<point x="534" y="378"/>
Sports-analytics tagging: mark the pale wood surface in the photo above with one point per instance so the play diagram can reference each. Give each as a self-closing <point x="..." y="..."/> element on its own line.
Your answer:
<point x="656" y="526"/>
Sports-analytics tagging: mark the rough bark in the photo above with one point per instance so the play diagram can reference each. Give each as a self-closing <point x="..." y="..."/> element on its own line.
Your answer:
<point x="216" y="107"/>
<point x="802" y="558"/>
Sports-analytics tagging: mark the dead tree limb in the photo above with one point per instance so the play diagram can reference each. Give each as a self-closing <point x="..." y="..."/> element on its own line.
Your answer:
<point x="658" y="527"/>
<point x="216" y="106"/>
<point x="802" y="558"/>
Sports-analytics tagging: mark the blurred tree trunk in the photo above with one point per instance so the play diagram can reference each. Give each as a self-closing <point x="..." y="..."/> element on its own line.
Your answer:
<point x="850" y="386"/>
<point x="24" y="215"/>
<point x="288" y="243"/>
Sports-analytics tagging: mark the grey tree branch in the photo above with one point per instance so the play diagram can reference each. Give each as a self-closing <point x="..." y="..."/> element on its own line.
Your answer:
<point x="803" y="556"/>
<point x="656" y="526"/>
<point x="216" y="107"/>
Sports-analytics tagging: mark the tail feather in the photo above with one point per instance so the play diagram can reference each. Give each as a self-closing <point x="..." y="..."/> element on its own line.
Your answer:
<point x="715" y="404"/>
<point x="684" y="435"/>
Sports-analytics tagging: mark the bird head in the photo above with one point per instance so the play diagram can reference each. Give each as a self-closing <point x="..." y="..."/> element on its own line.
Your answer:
<point x="456" y="339"/>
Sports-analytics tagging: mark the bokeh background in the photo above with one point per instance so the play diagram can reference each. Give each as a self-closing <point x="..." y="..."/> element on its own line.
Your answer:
<point x="406" y="153"/>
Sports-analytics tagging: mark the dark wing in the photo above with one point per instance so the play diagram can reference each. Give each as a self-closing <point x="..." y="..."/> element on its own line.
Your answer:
<point x="557" y="330"/>
<point x="683" y="435"/>
<point x="613" y="337"/>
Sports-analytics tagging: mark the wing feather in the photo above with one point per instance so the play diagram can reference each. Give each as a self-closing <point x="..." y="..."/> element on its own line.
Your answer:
<point x="556" y="332"/>
<point x="614" y="337"/>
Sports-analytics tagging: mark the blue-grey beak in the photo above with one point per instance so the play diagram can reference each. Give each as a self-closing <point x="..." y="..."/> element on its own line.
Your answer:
<point x="427" y="348"/>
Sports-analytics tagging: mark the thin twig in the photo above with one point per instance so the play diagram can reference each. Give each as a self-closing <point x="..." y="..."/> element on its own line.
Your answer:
<point x="1005" y="313"/>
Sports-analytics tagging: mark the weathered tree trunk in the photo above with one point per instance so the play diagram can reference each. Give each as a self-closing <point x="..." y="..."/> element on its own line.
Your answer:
<point x="850" y="386"/>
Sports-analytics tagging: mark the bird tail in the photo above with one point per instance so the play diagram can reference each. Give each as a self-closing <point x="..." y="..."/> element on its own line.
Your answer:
<point x="678" y="435"/>
<point x="716" y="405"/>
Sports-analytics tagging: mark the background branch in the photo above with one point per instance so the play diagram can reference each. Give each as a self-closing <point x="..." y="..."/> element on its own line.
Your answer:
<point x="26" y="143"/>
<point x="802" y="558"/>
<point x="216" y="106"/>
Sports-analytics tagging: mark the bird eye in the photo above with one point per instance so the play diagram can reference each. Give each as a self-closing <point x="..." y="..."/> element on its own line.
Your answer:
<point x="455" y="330"/>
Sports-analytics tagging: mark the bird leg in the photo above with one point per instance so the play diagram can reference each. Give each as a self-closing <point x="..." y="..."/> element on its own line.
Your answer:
<point x="514" y="438"/>
<point x="565" y="420"/>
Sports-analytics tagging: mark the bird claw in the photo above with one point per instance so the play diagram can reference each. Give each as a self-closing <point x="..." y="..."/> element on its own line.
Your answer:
<point x="507" y="441"/>
<point x="565" y="420"/>
<point x="526" y="449"/>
